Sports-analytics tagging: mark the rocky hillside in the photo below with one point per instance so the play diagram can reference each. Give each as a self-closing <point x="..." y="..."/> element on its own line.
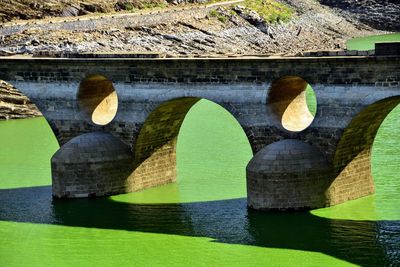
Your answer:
<point x="14" y="105"/>
<point x="38" y="9"/>
<point x="251" y="27"/>
<point x="379" y="14"/>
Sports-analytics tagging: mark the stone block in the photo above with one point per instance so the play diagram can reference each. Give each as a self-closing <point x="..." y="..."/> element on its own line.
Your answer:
<point x="387" y="49"/>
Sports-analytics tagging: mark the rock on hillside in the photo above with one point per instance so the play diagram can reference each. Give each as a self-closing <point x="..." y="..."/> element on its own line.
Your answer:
<point x="14" y="105"/>
<point x="38" y="9"/>
<point x="379" y="14"/>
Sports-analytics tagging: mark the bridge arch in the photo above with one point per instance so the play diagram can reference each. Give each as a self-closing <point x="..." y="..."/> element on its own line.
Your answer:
<point x="156" y="145"/>
<point x="26" y="106"/>
<point x="352" y="159"/>
<point x="289" y="98"/>
<point x="97" y="99"/>
<point x="28" y="139"/>
<point x="16" y="104"/>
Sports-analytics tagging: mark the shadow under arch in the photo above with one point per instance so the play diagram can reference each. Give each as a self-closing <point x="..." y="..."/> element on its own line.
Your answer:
<point x="352" y="160"/>
<point x="156" y="144"/>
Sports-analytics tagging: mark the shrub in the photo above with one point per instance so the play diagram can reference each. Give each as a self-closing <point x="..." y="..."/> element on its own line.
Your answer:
<point x="216" y="14"/>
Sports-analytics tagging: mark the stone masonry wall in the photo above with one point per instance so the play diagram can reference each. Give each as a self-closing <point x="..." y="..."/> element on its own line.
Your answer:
<point x="239" y="85"/>
<point x="343" y="86"/>
<point x="353" y="182"/>
<point x="156" y="170"/>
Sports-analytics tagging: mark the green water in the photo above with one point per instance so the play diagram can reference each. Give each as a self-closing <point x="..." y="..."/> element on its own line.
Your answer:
<point x="200" y="221"/>
<point x="368" y="43"/>
<point x="311" y="100"/>
<point x="25" y="150"/>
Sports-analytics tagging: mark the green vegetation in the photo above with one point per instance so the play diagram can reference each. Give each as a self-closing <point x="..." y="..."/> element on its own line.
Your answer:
<point x="136" y="5"/>
<point x="216" y="14"/>
<point x="153" y="4"/>
<point x="270" y="10"/>
<point x="129" y="7"/>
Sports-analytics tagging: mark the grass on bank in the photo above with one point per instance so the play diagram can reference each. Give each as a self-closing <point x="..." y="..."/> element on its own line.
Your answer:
<point x="272" y="11"/>
<point x="216" y="14"/>
<point x="134" y="6"/>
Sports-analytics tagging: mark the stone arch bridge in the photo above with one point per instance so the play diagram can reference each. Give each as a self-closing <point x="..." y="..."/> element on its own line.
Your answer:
<point x="117" y="120"/>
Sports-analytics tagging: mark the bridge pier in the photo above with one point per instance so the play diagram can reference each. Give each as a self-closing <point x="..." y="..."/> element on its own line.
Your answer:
<point x="93" y="164"/>
<point x="287" y="175"/>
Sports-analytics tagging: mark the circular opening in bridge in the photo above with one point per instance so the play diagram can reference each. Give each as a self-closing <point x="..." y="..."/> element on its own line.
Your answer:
<point x="293" y="102"/>
<point x="97" y="99"/>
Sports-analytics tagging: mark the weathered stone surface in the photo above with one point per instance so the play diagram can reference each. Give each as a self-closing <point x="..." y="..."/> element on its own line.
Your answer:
<point x="388" y="48"/>
<point x="287" y="99"/>
<point x="288" y="174"/>
<point x="93" y="164"/>
<point x="185" y="31"/>
<point x="383" y="15"/>
<point x="14" y="104"/>
<point x="155" y="147"/>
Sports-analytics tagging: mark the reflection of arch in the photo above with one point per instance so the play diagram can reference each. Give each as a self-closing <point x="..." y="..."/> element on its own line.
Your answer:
<point x="352" y="160"/>
<point x="155" y="150"/>
<point x="288" y="100"/>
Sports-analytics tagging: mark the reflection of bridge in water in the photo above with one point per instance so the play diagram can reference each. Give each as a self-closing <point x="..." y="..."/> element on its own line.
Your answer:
<point x="141" y="104"/>
<point x="365" y="243"/>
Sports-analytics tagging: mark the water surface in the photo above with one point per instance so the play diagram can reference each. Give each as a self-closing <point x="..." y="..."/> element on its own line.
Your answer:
<point x="368" y="43"/>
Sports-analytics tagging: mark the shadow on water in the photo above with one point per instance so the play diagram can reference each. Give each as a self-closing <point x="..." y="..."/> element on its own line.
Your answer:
<point x="367" y="243"/>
